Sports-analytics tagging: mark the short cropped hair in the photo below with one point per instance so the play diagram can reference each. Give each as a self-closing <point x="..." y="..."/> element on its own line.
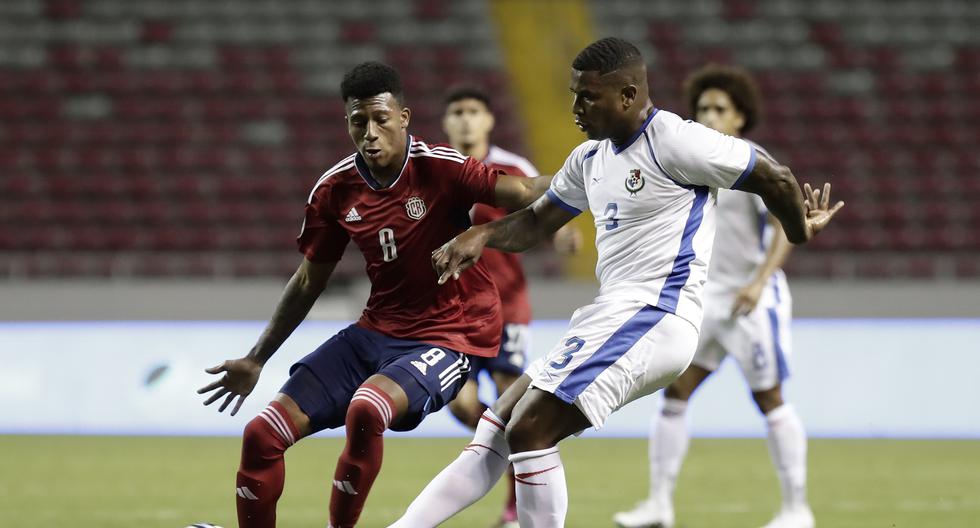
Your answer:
<point x="606" y="55"/>
<point x="466" y="91"/>
<point x="371" y="78"/>
<point x="736" y="82"/>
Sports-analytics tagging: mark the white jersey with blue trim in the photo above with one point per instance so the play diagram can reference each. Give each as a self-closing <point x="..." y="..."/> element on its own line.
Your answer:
<point x="653" y="199"/>
<point x="742" y="239"/>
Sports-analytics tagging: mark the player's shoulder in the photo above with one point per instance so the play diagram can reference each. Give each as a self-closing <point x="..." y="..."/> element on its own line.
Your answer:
<point x="504" y="158"/>
<point x="421" y="151"/>
<point x="335" y="173"/>
<point x="586" y="150"/>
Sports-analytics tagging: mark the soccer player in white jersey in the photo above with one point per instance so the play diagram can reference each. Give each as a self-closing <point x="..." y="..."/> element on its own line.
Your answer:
<point x="747" y="311"/>
<point x="468" y="121"/>
<point x="649" y="178"/>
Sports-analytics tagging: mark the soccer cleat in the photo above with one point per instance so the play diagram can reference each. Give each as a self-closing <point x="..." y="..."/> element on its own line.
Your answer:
<point x="647" y="514"/>
<point x="800" y="517"/>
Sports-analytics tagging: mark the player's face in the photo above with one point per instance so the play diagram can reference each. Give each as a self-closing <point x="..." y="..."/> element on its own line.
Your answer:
<point x="716" y="110"/>
<point x="467" y="122"/>
<point x="596" y="104"/>
<point x="377" y="125"/>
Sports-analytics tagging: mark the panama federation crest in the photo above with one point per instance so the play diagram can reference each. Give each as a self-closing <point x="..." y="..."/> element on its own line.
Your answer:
<point x="634" y="182"/>
<point x="415" y="208"/>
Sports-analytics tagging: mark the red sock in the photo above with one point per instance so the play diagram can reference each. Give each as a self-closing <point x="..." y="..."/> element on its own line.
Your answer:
<point x="368" y="416"/>
<point x="262" y="470"/>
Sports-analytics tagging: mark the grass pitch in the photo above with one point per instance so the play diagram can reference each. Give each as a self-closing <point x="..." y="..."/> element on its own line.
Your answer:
<point x="107" y="482"/>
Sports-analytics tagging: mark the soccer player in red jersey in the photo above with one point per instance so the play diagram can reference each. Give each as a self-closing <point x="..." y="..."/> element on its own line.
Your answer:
<point x="468" y="121"/>
<point x="398" y="198"/>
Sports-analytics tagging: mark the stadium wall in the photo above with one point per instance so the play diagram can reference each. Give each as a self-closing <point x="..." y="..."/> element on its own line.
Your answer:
<point x="896" y="378"/>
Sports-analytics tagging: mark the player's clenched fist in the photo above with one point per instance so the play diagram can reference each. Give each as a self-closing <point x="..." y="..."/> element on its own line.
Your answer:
<point x="459" y="253"/>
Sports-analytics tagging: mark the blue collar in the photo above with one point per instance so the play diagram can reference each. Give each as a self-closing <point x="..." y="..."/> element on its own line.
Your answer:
<point x="365" y="172"/>
<point x="636" y="135"/>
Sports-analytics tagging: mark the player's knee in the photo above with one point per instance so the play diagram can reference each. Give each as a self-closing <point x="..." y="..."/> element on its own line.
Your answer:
<point x="768" y="400"/>
<point x="525" y="434"/>
<point x="678" y="391"/>
<point x="367" y="415"/>
<point x="468" y="415"/>
<point x="262" y="439"/>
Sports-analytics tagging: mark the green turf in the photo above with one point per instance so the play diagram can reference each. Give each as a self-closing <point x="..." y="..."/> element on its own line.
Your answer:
<point x="106" y="482"/>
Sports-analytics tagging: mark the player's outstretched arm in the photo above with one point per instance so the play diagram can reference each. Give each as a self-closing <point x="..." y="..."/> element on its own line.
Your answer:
<point x="515" y="192"/>
<point x="802" y="216"/>
<point x="516" y="232"/>
<point x="241" y="375"/>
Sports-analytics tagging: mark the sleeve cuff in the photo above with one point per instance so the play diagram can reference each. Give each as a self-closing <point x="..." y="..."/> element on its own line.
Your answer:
<point x="561" y="203"/>
<point x="748" y="168"/>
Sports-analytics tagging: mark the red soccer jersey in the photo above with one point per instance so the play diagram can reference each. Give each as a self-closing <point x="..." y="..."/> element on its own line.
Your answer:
<point x="397" y="228"/>
<point x="505" y="268"/>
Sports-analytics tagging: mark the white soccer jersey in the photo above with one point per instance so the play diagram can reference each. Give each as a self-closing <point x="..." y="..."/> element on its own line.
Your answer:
<point x="653" y="200"/>
<point x="741" y="240"/>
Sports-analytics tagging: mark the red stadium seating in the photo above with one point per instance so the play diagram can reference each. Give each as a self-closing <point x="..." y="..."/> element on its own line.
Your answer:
<point x="170" y="140"/>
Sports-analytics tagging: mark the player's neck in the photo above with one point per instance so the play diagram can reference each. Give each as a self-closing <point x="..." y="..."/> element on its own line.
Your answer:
<point x="385" y="176"/>
<point x="628" y="132"/>
<point x="477" y="151"/>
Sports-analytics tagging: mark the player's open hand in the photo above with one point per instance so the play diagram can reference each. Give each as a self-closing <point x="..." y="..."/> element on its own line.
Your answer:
<point x="746" y="299"/>
<point x="239" y="379"/>
<point x="458" y="254"/>
<point x="818" y="210"/>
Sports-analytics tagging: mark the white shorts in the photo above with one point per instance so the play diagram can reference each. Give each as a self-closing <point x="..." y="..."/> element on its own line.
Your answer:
<point x="614" y="352"/>
<point x="759" y="342"/>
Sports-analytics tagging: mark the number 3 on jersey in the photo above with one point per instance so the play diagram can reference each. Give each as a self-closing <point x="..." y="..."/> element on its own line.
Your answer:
<point x="387" y="239"/>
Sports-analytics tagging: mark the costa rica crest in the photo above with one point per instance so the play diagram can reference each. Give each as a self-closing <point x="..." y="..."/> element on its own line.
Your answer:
<point x="415" y="208"/>
<point x="635" y="181"/>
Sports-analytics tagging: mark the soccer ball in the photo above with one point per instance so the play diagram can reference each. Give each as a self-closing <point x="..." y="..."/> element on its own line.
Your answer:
<point x="202" y="525"/>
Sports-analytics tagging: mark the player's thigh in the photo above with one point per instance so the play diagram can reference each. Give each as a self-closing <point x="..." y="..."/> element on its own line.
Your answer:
<point x="757" y="345"/>
<point x="668" y="350"/>
<point x="504" y="406"/>
<point x="466" y="406"/>
<point x="607" y="352"/>
<point x="431" y="376"/>
<point x="503" y="380"/>
<point x="322" y="383"/>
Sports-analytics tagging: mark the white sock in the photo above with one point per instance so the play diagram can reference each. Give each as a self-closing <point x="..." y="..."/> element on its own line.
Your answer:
<point x="668" y="446"/>
<point x="787" y="447"/>
<point x="542" y="497"/>
<point x="464" y="481"/>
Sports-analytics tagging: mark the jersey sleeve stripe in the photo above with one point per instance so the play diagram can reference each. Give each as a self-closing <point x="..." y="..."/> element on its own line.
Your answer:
<point x="748" y="168"/>
<point x="561" y="203"/>
<point x="433" y="152"/>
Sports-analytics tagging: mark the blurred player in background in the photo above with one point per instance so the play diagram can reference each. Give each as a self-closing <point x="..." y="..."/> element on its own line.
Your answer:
<point x="468" y="121"/>
<point x="648" y="178"/>
<point x="398" y="198"/>
<point x="747" y="315"/>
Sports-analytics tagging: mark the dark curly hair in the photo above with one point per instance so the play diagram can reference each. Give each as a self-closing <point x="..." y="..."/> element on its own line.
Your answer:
<point x="606" y="55"/>
<point x="736" y="82"/>
<point x="460" y="92"/>
<point x="371" y="78"/>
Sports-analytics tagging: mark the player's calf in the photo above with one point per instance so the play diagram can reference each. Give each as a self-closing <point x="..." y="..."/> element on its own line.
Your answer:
<point x="370" y="413"/>
<point x="262" y="471"/>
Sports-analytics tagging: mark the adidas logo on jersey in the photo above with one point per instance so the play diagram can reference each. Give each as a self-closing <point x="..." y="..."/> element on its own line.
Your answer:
<point x="352" y="215"/>
<point x="421" y="366"/>
<point x="345" y="486"/>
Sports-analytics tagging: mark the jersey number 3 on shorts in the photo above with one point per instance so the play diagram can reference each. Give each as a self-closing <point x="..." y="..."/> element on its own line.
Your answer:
<point x="573" y="344"/>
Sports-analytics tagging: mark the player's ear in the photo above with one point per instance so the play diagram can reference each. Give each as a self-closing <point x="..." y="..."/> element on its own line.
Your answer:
<point x="406" y="116"/>
<point x="490" y="121"/>
<point x="739" y="120"/>
<point x="628" y="95"/>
